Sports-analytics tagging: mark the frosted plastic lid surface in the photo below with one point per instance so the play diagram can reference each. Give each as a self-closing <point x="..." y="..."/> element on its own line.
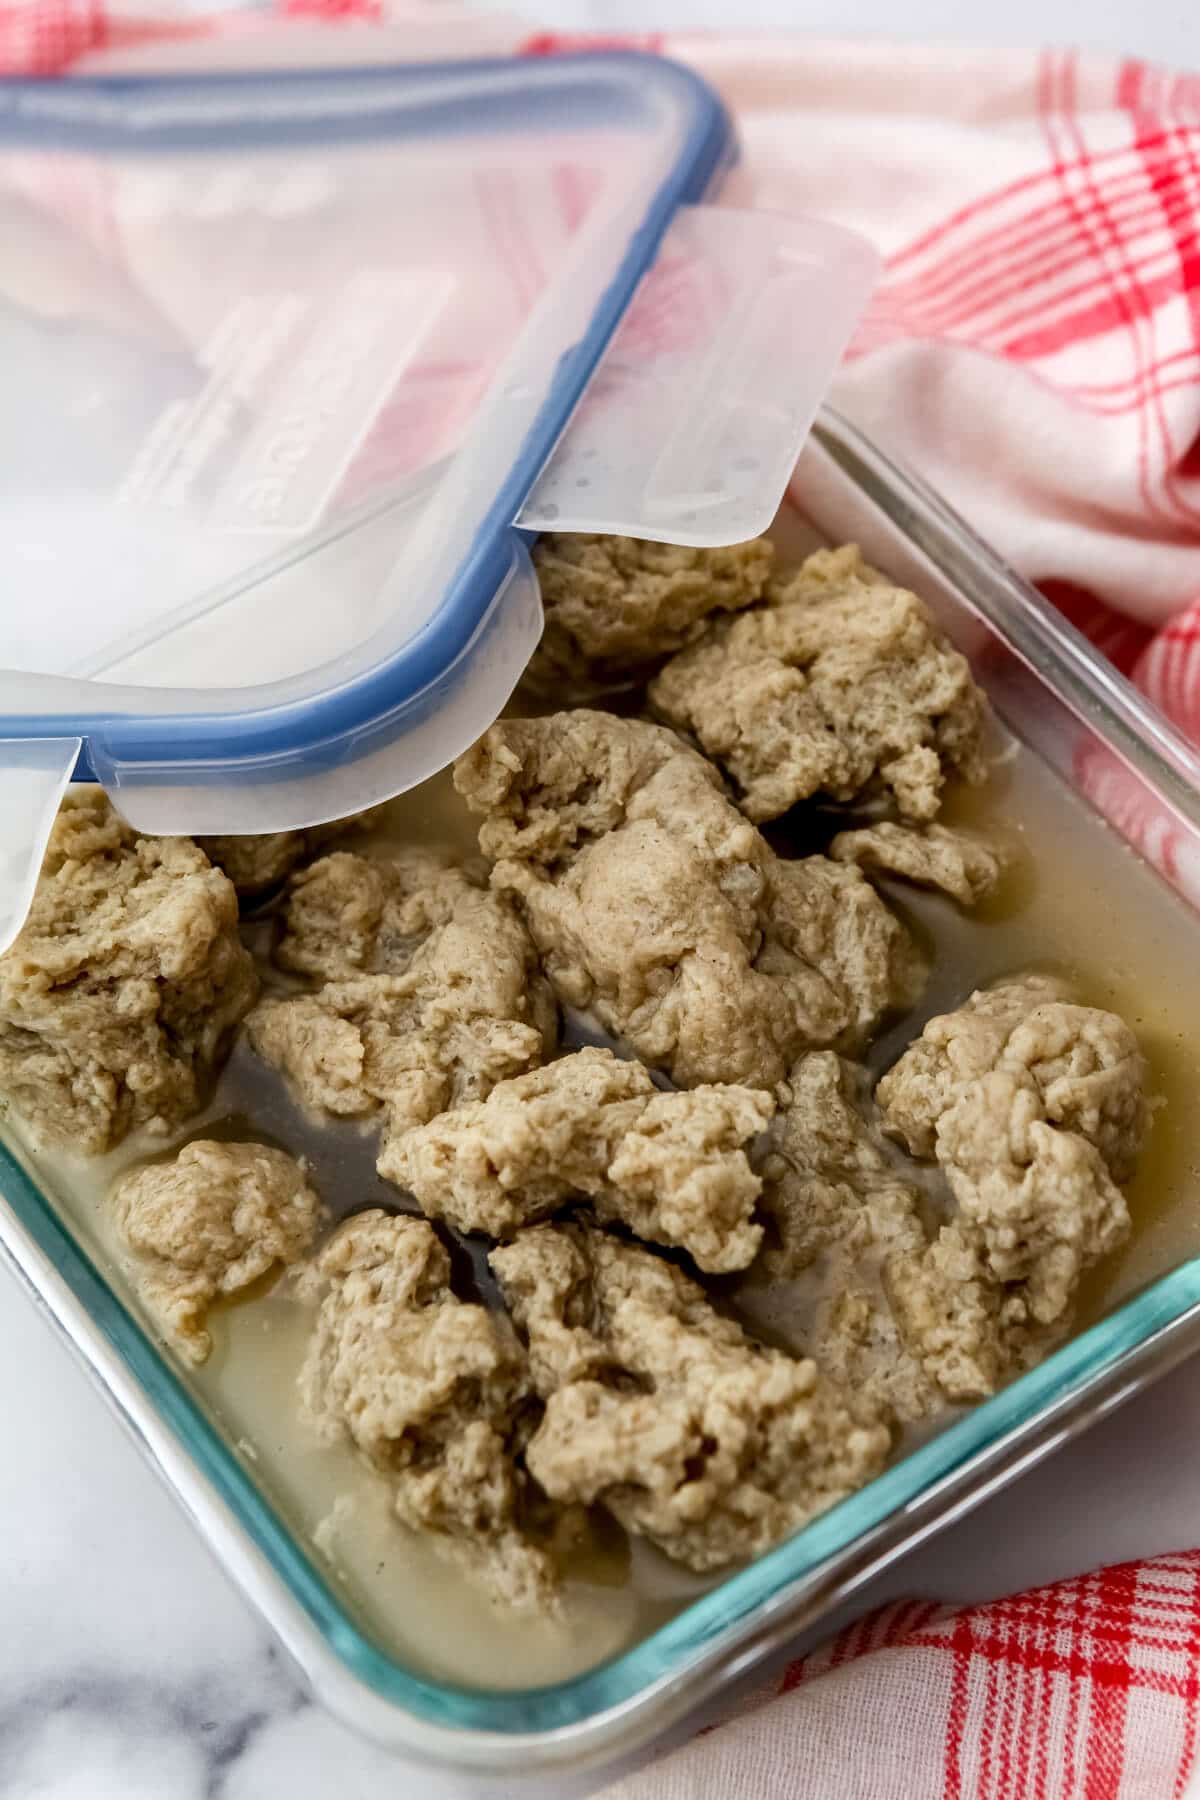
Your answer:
<point x="284" y="357"/>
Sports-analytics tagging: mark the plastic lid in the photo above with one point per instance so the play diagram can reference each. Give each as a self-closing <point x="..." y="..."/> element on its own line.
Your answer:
<point x="290" y="363"/>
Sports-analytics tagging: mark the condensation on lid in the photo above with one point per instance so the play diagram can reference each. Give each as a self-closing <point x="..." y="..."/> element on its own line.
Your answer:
<point x="291" y="362"/>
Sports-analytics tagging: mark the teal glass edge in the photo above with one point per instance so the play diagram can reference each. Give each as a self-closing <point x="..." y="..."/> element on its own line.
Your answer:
<point x="670" y="1650"/>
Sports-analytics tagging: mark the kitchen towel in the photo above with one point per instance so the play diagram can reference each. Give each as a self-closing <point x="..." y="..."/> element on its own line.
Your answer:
<point x="1085" y="1690"/>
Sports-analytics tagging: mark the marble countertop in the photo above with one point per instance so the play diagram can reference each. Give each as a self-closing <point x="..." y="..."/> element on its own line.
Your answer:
<point x="129" y="1667"/>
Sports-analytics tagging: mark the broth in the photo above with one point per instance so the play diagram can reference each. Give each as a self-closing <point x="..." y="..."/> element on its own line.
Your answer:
<point x="1078" y="901"/>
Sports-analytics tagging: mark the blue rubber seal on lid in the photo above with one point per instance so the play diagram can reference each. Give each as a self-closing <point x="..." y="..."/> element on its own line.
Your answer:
<point x="136" y="114"/>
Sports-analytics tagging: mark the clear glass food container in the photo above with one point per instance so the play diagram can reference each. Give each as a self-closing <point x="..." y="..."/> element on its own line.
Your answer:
<point x="1089" y="729"/>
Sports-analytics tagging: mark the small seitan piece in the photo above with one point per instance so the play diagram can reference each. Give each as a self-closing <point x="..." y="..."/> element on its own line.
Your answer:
<point x="1039" y="1201"/>
<point x="617" y="605"/>
<point x="691" y="1433"/>
<point x="828" y="1180"/>
<point x="660" y="910"/>
<point x="256" y="861"/>
<point x="969" y="1333"/>
<point x="353" y="915"/>
<point x="432" y="991"/>
<point x="966" y="867"/>
<point x="1034" y="1108"/>
<point x="833" y="1197"/>
<point x="208" y="1222"/>
<point x="839" y="684"/>
<point x="123" y="989"/>
<point x="1084" y="1063"/>
<point x="670" y="1166"/>
<point x="857" y="1339"/>
<point x="434" y="1392"/>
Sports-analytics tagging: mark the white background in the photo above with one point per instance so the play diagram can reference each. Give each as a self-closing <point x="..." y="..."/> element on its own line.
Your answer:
<point x="129" y="1670"/>
<point x="1165" y="29"/>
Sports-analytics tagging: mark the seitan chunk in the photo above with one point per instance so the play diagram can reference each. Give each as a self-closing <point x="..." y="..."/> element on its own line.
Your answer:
<point x="691" y="1433"/>
<point x="617" y="605"/>
<point x="834" y="1202"/>
<point x="256" y="861"/>
<point x="352" y="915"/>
<point x="1038" y="1200"/>
<point x="1034" y="1108"/>
<point x="969" y="1333"/>
<point x="433" y="995"/>
<point x="828" y="1179"/>
<point x="961" y="864"/>
<point x="1084" y="1063"/>
<point x="658" y="909"/>
<point x="670" y="1166"/>
<point x="123" y="989"/>
<point x="839" y="684"/>
<point x="434" y="1392"/>
<point x="209" y="1222"/>
<point x="858" y="1340"/>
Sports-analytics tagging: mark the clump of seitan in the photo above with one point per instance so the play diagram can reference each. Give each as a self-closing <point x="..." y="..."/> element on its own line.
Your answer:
<point x="670" y="1166"/>
<point x="429" y="989"/>
<point x="352" y="915"/>
<point x="209" y="1222"/>
<point x="967" y="867"/>
<point x="616" y="605"/>
<point x="840" y="684"/>
<point x="835" y="1203"/>
<point x="657" y="908"/>
<point x="121" y="993"/>
<point x="690" y="1433"/>
<point x="827" y="1176"/>
<point x="434" y="1392"/>
<point x="1083" y="1063"/>
<point x="1034" y="1109"/>
<point x="257" y="861"/>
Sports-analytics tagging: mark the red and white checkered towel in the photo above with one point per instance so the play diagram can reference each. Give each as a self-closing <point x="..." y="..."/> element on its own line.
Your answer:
<point x="1086" y="1690"/>
<point x="1034" y="349"/>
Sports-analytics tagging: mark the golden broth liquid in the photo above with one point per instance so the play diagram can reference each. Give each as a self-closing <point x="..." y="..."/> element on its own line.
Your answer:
<point x="1078" y="902"/>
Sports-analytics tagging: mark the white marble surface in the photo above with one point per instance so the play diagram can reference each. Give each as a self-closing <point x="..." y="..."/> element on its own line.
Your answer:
<point x="129" y="1668"/>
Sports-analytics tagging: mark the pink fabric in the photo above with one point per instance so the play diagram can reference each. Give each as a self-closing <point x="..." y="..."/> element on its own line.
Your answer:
<point x="1034" y="350"/>
<point x="1085" y="1690"/>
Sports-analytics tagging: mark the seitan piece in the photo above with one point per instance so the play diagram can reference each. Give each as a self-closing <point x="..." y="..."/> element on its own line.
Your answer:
<point x="658" y="909"/>
<point x="969" y="1333"/>
<point x="615" y="606"/>
<point x="209" y="1222"/>
<point x="840" y="684"/>
<point x="835" y="1202"/>
<point x="352" y="915"/>
<point x="1034" y="1108"/>
<point x="256" y="861"/>
<point x="433" y="991"/>
<point x="670" y="1166"/>
<point x="1084" y="1063"/>
<point x="690" y="1433"/>
<point x="121" y="994"/>
<point x="858" y="1340"/>
<point x="827" y="1173"/>
<point x="434" y="1392"/>
<point x="960" y="863"/>
<point x="1038" y="1200"/>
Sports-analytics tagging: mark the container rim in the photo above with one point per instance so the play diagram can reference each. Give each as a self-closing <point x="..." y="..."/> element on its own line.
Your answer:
<point x="723" y="1632"/>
